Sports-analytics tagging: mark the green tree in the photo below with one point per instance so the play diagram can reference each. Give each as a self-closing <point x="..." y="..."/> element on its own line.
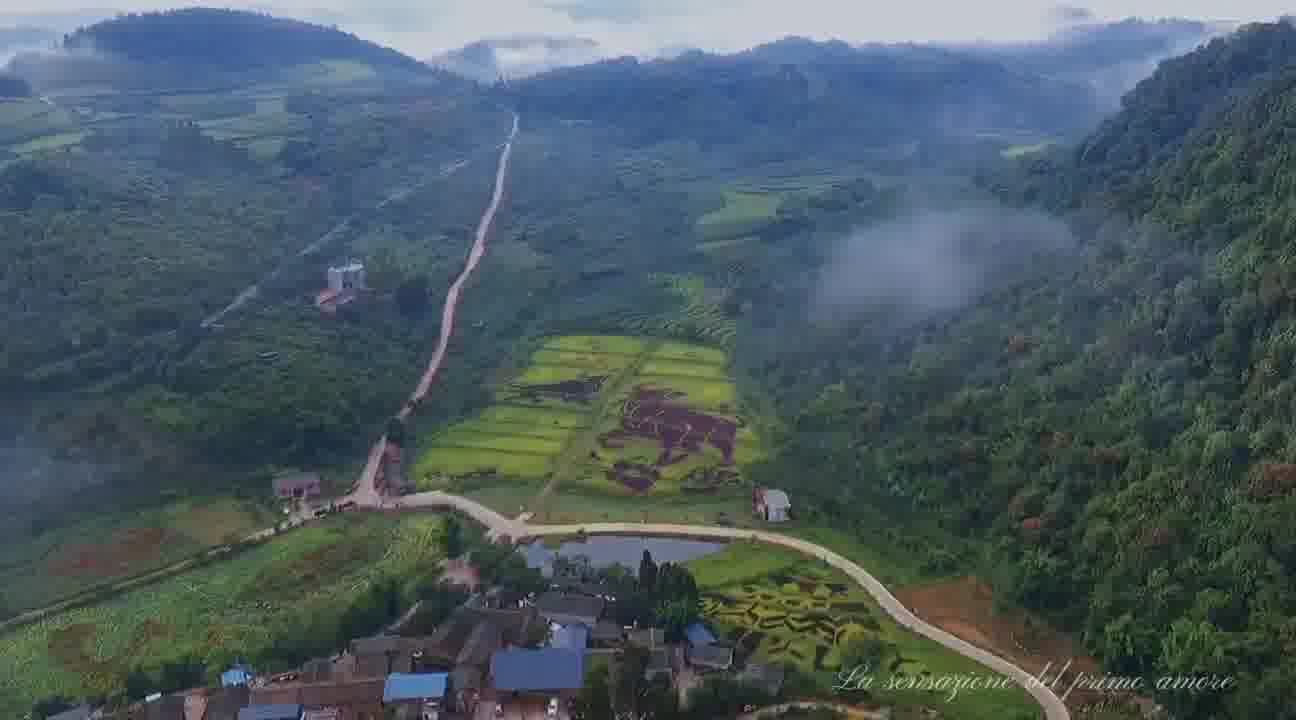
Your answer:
<point x="452" y="537"/>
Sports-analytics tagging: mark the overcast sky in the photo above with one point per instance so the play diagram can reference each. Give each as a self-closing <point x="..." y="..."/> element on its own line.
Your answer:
<point x="425" y="27"/>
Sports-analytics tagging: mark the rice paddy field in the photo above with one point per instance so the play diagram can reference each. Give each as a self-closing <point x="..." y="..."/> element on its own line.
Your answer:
<point x="773" y="604"/>
<point x="612" y="416"/>
<point x="231" y="608"/>
<point x="30" y="125"/>
<point x="64" y="561"/>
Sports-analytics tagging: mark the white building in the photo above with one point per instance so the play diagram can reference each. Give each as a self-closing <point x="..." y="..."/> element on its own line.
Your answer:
<point x="772" y="505"/>
<point x="346" y="278"/>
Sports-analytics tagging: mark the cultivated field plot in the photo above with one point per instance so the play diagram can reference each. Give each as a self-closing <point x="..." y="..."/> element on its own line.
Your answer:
<point x="64" y="561"/>
<point x="610" y="414"/>
<point x="774" y="604"/>
<point x="744" y="212"/>
<point x="25" y="122"/>
<point x="236" y="607"/>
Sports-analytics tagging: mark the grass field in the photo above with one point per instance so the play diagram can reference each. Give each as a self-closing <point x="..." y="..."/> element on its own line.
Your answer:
<point x="233" y="608"/>
<point x="576" y="415"/>
<point x="774" y="604"/>
<point x="64" y="561"/>
<point x="743" y="212"/>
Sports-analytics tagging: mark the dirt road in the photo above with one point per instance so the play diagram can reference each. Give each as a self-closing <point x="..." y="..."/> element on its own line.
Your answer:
<point x="365" y="492"/>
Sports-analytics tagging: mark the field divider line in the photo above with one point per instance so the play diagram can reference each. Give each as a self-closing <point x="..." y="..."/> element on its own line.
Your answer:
<point x="580" y="443"/>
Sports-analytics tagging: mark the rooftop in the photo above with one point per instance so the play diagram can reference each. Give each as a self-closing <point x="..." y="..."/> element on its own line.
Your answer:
<point x="777" y="499"/>
<point x="582" y="606"/>
<point x="538" y="670"/>
<point x="271" y="712"/>
<point x="698" y="634"/>
<point x="297" y="481"/>
<point x="571" y="637"/>
<point x="711" y="656"/>
<point x="80" y="712"/>
<point x="424" y="686"/>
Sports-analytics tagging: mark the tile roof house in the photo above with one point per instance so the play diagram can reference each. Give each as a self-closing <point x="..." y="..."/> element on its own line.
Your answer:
<point x="607" y="633"/>
<point x="767" y="677"/>
<point x="647" y="638"/>
<point x="297" y="485"/>
<point x="225" y="703"/>
<point x="548" y="670"/>
<point x="711" y="657"/>
<point x="569" y="609"/>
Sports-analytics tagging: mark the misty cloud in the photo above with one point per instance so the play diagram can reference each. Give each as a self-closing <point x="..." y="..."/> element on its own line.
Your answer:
<point x="936" y="260"/>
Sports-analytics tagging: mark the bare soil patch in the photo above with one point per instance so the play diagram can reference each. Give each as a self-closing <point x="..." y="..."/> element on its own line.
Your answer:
<point x="965" y="607"/>
<point x="124" y="552"/>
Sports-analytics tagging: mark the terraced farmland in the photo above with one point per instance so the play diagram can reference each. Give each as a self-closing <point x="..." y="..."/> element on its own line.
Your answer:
<point x="237" y="607"/>
<point x="772" y="604"/>
<point x="610" y="415"/>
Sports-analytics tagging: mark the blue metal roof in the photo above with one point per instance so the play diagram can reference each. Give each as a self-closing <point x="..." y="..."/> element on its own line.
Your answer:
<point x="418" y="686"/>
<point x="237" y="675"/>
<point x="571" y="637"/>
<point x="698" y="634"/>
<point x="535" y="670"/>
<point x="271" y="712"/>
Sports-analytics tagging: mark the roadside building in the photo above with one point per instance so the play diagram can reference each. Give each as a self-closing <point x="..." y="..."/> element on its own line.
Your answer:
<point x="297" y="486"/>
<point x="771" y="505"/>
<point x="416" y="696"/>
<point x="570" y="609"/>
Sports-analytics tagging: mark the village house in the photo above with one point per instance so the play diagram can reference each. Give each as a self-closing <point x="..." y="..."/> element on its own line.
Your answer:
<point x="771" y="505"/>
<point x="297" y="486"/>
<point x="352" y="699"/>
<point x="704" y="651"/>
<point x="238" y="674"/>
<point x="272" y="712"/>
<point x="523" y="678"/>
<point x="570" y="609"/>
<point x="345" y="282"/>
<point x="416" y="696"/>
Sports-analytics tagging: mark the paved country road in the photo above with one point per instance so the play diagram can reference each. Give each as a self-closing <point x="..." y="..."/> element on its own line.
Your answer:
<point x="501" y="526"/>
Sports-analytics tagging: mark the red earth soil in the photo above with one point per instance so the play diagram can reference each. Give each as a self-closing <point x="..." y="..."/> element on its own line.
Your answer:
<point x="655" y="414"/>
<point x="125" y="552"/>
<point x="966" y="608"/>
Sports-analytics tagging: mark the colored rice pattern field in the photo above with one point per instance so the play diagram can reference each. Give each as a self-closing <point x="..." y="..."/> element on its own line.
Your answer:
<point x="609" y="414"/>
<point x="773" y="604"/>
<point x="233" y="608"/>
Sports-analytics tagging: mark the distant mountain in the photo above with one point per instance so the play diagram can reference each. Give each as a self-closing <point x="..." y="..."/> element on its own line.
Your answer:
<point x="23" y="37"/>
<point x="12" y="86"/>
<point x="197" y="45"/>
<point x="518" y="56"/>
<point x="1109" y="57"/>
<point x="797" y="94"/>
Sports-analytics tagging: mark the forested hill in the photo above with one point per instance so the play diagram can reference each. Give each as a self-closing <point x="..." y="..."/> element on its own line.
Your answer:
<point x="1119" y="429"/>
<point x="230" y="40"/>
<point x="806" y="95"/>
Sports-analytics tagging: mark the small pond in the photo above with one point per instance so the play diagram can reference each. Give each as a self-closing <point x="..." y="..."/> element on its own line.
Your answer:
<point x="627" y="550"/>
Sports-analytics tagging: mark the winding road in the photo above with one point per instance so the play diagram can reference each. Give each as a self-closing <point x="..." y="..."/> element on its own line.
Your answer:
<point x="366" y="491"/>
<point x="515" y="530"/>
<point x="366" y="494"/>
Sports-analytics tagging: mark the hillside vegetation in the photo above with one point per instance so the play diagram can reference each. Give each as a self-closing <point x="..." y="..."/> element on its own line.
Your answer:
<point x="1119" y="427"/>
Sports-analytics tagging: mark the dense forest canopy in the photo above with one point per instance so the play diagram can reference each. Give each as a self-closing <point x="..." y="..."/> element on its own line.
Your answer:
<point x="1118" y="427"/>
<point x="808" y="96"/>
<point x="229" y="40"/>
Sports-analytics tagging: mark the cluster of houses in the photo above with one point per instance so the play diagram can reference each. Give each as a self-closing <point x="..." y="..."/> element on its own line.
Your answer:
<point x="497" y="656"/>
